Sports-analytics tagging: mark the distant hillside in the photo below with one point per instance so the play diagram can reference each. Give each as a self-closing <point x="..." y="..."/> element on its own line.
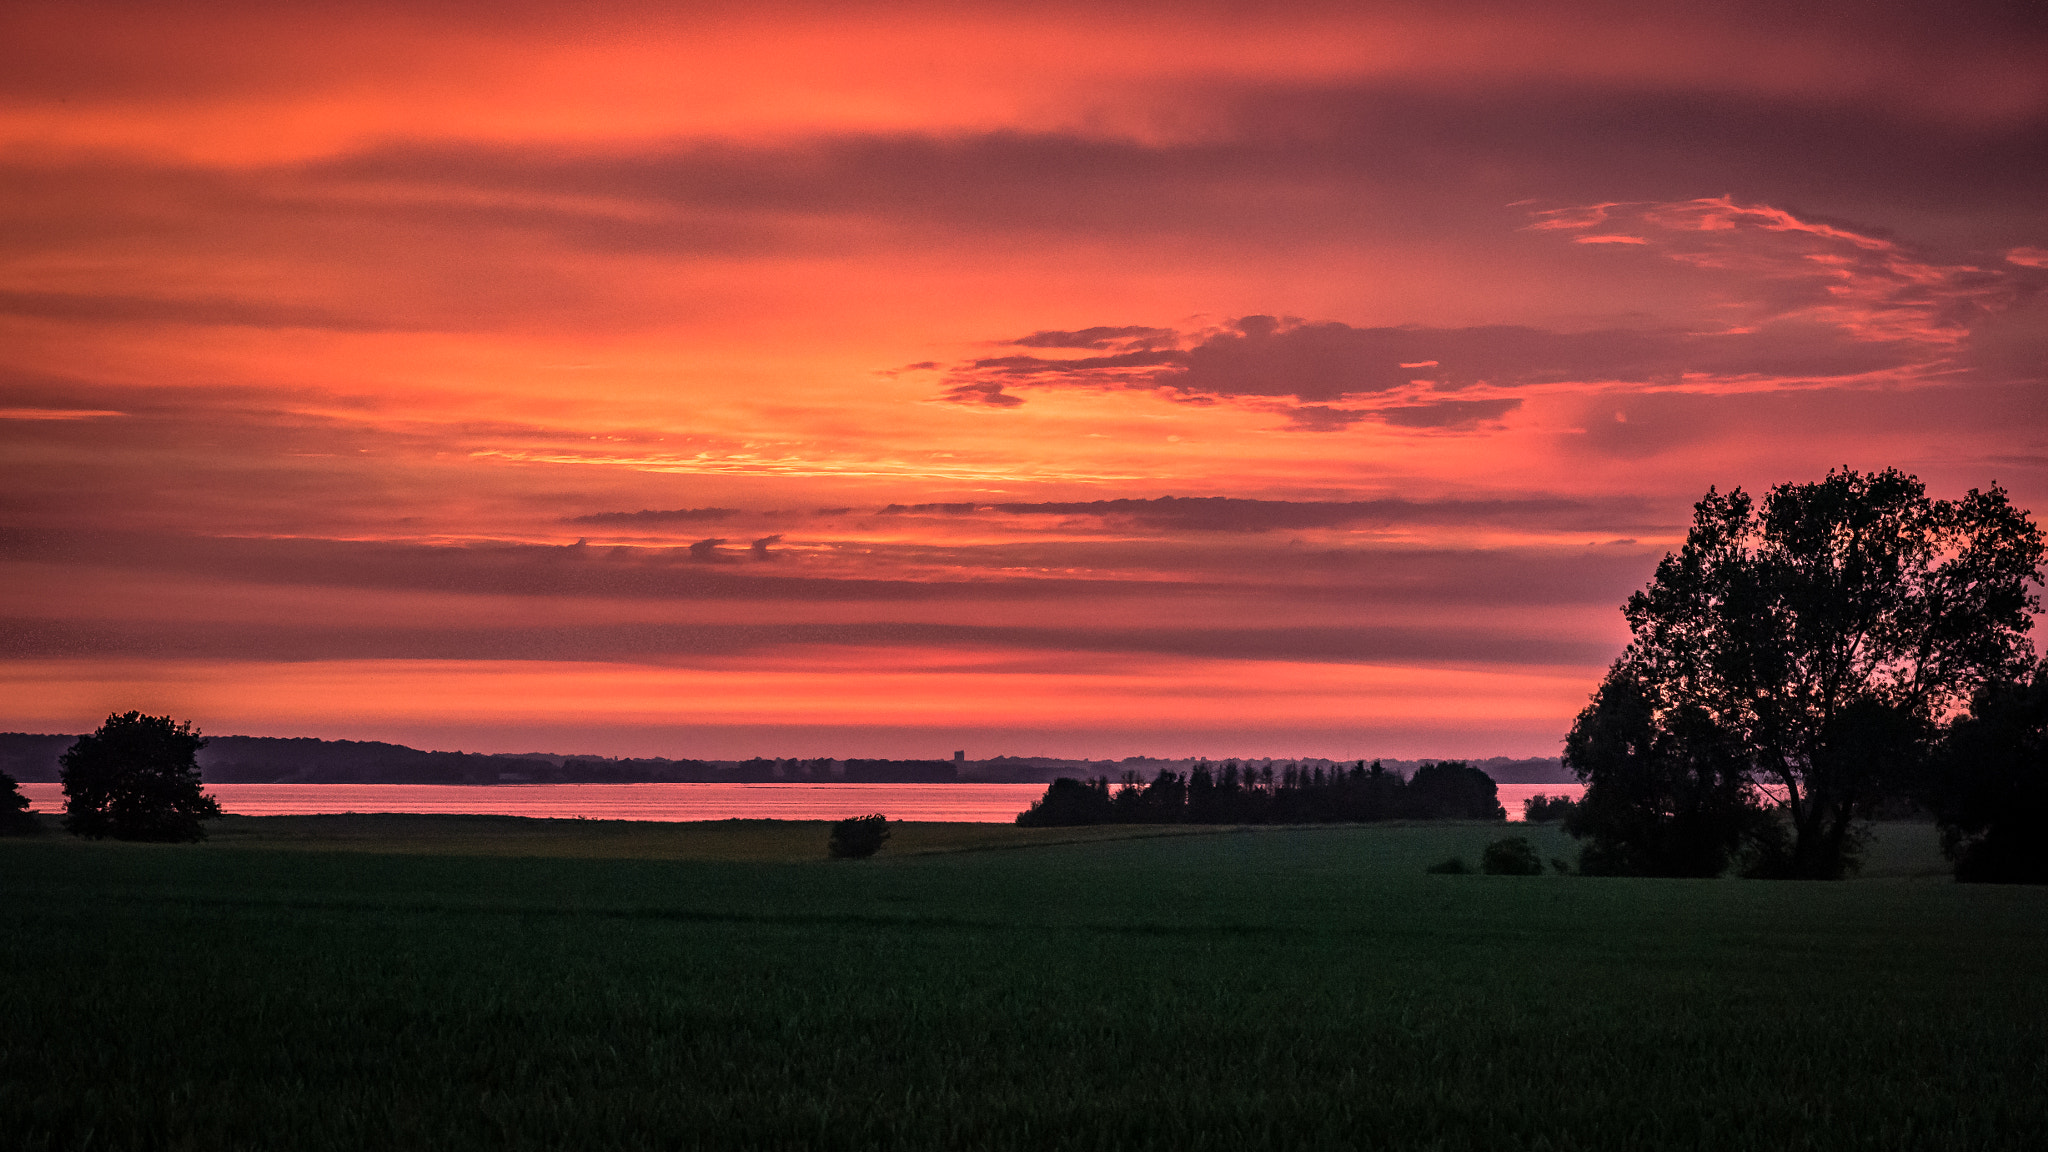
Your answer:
<point x="32" y="758"/>
<point x="305" y="760"/>
<point x="1041" y="769"/>
<point x="1533" y="770"/>
<point x="267" y="760"/>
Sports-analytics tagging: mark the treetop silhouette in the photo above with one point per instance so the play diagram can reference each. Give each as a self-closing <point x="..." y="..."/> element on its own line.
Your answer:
<point x="136" y="778"/>
<point x="1808" y="649"/>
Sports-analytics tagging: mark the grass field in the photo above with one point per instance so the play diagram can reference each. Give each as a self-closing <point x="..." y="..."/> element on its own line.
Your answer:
<point x="441" y="982"/>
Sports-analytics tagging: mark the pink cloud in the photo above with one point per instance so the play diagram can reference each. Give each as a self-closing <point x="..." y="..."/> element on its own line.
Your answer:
<point x="1791" y="268"/>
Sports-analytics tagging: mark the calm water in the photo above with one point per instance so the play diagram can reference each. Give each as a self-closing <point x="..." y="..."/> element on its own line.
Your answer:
<point x="1512" y="795"/>
<point x="972" y="803"/>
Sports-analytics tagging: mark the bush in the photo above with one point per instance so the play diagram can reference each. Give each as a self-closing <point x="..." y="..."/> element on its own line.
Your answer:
<point x="1513" y="856"/>
<point x="858" y="837"/>
<point x="1541" y="809"/>
<point x="1455" y="866"/>
<point x="15" y="818"/>
<point x="136" y="778"/>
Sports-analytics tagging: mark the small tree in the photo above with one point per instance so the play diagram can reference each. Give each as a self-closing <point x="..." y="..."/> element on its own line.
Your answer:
<point x="858" y="837"/>
<point x="136" y="778"/>
<point x="1453" y="790"/>
<point x="1068" y="801"/>
<point x="1665" y="799"/>
<point x="15" y="818"/>
<point x="1513" y="856"/>
<point x="1542" y="809"/>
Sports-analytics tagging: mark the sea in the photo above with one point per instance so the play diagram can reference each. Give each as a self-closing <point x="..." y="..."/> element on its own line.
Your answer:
<point x="963" y="803"/>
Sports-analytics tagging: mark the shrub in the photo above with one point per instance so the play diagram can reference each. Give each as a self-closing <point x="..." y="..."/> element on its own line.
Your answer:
<point x="1513" y="856"/>
<point x="1541" y="809"/>
<point x="1455" y="866"/>
<point x="858" y="837"/>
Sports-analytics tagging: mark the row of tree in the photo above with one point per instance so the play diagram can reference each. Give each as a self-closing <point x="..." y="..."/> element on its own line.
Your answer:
<point x="1848" y="648"/>
<point x="1296" y="794"/>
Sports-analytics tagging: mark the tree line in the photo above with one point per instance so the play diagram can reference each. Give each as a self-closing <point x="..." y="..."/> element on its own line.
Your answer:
<point x="1296" y="794"/>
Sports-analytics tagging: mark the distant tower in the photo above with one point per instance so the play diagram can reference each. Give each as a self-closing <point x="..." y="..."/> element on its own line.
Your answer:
<point x="959" y="757"/>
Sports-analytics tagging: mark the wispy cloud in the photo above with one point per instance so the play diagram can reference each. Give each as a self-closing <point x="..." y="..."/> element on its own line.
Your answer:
<point x="1805" y="301"/>
<point x="372" y="352"/>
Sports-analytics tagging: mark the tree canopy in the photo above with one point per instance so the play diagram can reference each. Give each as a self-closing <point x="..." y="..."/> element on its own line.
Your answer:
<point x="136" y="778"/>
<point x="1805" y="650"/>
<point x="1297" y="794"/>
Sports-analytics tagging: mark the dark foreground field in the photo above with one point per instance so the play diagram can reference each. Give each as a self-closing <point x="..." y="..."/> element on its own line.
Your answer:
<point x="300" y="985"/>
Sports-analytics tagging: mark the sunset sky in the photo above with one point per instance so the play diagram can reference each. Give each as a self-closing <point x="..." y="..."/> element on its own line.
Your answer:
<point x="802" y="380"/>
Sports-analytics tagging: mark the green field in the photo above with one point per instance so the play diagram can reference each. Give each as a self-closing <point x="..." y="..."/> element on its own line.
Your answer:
<point x="442" y="982"/>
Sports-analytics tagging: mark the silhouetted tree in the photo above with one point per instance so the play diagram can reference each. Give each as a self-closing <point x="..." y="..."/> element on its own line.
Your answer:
<point x="1205" y="802"/>
<point x="136" y="778"/>
<point x="858" y="837"/>
<point x="15" y="818"/>
<point x="1542" y="809"/>
<point x="1373" y="793"/>
<point x="1453" y="790"/>
<point x="1068" y="802"/>
<point x="1162" y="801"/>
<point x="1300" y="793"/>
<point x="1991" y="787"/>
<point x="1513" y="856"/>
<point x="1668" y="799"/>
<point x="1788" y="643"/>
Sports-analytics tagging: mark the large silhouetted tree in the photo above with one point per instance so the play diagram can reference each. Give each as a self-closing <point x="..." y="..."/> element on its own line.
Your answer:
<point x="136" y="778"/>
<point x="1809" y="647"/>
<point x="1991" y="788"/>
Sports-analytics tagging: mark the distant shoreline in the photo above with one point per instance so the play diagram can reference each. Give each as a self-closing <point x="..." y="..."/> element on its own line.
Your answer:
<point x="973" y="802"/>
<point x="32" y="758"/>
